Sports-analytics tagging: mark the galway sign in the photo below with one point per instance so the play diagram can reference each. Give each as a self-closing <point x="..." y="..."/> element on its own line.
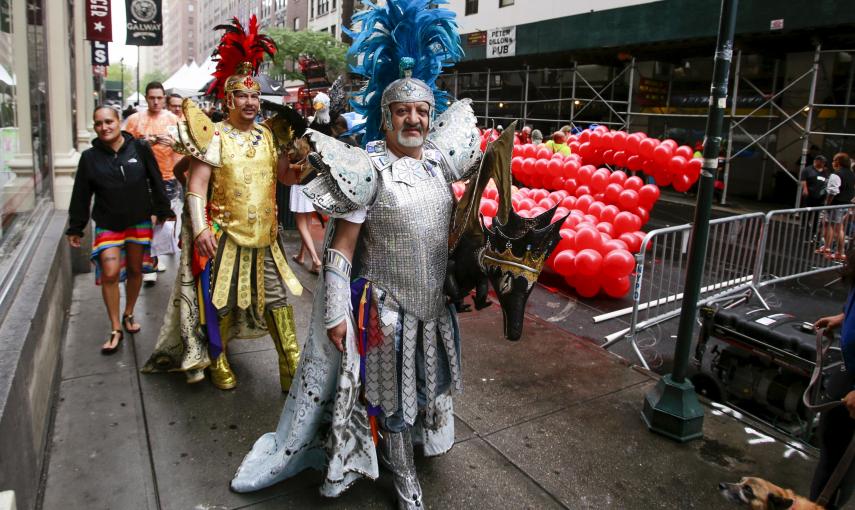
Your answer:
<point x="145" y="23"/>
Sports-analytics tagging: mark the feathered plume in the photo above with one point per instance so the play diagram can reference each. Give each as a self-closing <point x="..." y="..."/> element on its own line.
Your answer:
<point x="236" y="47"/>
<point x="401" y="28"/>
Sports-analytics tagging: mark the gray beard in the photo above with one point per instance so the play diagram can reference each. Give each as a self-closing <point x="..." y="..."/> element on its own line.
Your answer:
<point x="410" y="141"/>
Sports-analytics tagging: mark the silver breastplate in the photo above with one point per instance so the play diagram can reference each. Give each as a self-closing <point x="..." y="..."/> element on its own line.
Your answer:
<point x="403" y="246"/>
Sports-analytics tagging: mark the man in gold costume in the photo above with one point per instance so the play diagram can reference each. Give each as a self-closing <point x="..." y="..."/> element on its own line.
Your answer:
<point x="232" y="283"/>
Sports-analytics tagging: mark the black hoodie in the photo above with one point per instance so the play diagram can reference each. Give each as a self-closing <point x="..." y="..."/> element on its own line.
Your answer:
<point x="127" y="186"/>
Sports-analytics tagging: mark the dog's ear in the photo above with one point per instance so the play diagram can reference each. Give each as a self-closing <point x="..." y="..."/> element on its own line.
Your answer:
<point x="775" y="502"/>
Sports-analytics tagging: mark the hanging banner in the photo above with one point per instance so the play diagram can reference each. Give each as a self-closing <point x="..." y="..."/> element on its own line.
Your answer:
<point x="99" y="26"/>
<point x="145" y="23"/>
<point x="99" y="54"/>
<point x="502" y="42"/>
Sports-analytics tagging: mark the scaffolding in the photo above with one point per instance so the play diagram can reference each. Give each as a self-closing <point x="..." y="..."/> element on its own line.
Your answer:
<point x="581" y="95"/>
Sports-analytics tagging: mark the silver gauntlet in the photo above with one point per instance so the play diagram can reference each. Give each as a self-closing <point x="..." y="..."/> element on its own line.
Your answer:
<point x="337" y="279"/>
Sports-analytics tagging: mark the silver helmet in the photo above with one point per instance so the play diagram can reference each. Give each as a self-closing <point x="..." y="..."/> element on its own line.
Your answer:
<point x="406" y="90"/>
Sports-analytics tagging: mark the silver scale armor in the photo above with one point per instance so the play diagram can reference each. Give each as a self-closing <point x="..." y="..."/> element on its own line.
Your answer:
<point x="403" y="249"/>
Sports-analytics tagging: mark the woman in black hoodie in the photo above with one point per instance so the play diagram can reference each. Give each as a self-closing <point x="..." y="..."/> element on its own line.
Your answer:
<point x="124" y="177"/>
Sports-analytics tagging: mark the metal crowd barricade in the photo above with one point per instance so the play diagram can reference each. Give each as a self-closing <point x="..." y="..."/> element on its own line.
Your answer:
<point x="802" y="242"/>
<point x="732" y="254"/>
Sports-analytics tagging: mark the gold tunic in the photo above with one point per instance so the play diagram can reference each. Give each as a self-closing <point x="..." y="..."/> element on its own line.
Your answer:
<point x="242" y="203"/>
<point x="243" y="190"/>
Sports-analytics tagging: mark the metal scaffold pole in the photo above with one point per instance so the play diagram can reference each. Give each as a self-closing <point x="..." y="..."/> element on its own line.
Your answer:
<point x="809" y="120"/>
<point x="726" y="178"/>
<point x="671" y="408"/>
<point x="629" y="94"/>
<point x="525" y="98"/>
<point x="573" y="97"/>
<point x="487" y="102"/>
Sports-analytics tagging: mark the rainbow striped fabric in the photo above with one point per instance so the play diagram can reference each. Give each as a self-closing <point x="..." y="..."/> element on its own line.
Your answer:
<point x="137" y="234"/>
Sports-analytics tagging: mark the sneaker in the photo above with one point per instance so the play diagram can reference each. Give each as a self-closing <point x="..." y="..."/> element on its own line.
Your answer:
<point x="149" y="279"/>
<point x="161" y="267"/>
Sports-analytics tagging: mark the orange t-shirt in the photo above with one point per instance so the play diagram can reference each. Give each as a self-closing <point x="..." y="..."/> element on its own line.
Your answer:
<point x="142" y="124"/>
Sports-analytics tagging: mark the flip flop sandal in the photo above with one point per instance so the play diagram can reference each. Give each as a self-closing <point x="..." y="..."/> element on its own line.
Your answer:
<point x="112" y="350"/>
<point x="129" y="319"/>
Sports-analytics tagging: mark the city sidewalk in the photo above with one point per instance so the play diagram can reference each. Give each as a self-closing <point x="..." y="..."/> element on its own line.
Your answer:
<point x="551" y="421"/>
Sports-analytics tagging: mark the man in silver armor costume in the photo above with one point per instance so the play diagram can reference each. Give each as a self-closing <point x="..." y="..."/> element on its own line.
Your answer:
<point x="383" y="350"/>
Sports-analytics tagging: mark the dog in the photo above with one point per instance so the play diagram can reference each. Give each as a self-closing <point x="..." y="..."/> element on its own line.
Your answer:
<point x="758" y="494"/>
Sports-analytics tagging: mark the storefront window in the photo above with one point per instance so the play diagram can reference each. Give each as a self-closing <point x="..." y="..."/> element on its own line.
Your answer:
<point x="25" y="165"/>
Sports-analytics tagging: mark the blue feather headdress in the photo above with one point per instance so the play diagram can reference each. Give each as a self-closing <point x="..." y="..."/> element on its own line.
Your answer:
<point x="402" y="28"/>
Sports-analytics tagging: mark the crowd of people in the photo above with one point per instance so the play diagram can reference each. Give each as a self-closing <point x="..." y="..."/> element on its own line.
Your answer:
<point x="381" y="356"/>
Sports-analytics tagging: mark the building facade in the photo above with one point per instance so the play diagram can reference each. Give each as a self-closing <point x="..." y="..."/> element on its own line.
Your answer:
<point x="180" y="44"/>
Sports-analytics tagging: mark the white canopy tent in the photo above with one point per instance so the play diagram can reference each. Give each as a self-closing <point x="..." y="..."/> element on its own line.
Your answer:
<point x="188" y="80"/>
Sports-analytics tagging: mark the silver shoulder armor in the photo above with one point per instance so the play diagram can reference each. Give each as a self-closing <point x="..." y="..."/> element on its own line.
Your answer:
<point x="347" y="180"/>
<point x="455" y="135"/>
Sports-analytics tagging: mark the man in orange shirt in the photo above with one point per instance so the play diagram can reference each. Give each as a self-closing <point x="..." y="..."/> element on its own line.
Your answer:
<point x="154" y="125"/>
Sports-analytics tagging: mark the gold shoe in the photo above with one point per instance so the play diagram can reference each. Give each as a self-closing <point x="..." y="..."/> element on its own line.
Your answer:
<point x="283" y="330"/>
<point x="221" y="373"/>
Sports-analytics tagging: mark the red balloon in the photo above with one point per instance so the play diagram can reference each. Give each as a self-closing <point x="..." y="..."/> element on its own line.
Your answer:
<point x="488" y="207"/>
<point x="676" y="166"/>
<point x="516" y="164"/>
<point x="599" y="180"/>
<point x="662" y="154"/>
<point x="587" y="287"/>
<point x="606" y="228"/>
<point x="517" y="149"/>
<point x="646" y="147"/>
<point x="583" y="176"/>
<point x="536" y="211"/>
<point x="609" y="213"/>
<point x="693" y="168"/>
<point x="596" y="208"/>
<point x="555" y="167"/>
<point x="541" y="166"/>
<point x="632" y="143"/>
<point x="617" y="177"/>
<point x="620" y="159"/>
<point x="583" y="190"/>
<point x="538" y="194"/>
<point x="583" y="202"/>
<point x="558" y="196"/>
<point x="569" y="202"/>
<point x="546" y="203"/>
<point x="615" y="244"/>
<point x="616" y="287"/>
<point x="681" y="182"/>
<point x="571" y="167"/>
<point x="570" y="222"/>
<point x="590" y="218"/>
<point x="574" y="146"/>
<point x="585" y="150"/>
<point x="596" y="139"/>
<point x="625" y="222"/>
<point x="529" y="151"/>
<point x="634" y="162"/>
<point x="526" y="204"/>
<point x="633" y="242"/>
<point x="663" y="179"/>
<point x="544" y="153"/>
<point x="612" y="192"/>
<point x="565" y="262"/>
<point x="491" y="193"/>
<point x="609" y="157"/>
<point x="669" y="142"/>
<point x="606" y="142"/>
<point x="648" y="195"/>
<point x="583" y="136"/>
<point x="649" y="167"/>
<point x="515" y="203"/>
<point x="570" y="186"/>
<point x="618" y="140"/>
<point x="628" y="199"/>
<point x="685" y="151"/>
<point x="588" y="238"/>
<point x="643" y="215"/>
<point x="618" y="263"/>
<point x="588" y="261"/>
<point x="633" y="183"/>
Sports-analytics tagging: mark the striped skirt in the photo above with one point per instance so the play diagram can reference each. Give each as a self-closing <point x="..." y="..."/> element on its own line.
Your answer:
<point x="135" y="234"/>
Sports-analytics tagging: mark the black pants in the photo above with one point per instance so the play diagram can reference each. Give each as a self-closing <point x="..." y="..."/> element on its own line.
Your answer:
<point x="835" y="432"/>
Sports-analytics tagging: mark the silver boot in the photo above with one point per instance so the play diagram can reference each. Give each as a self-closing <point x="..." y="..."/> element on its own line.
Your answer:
<point x="396" y="453"/>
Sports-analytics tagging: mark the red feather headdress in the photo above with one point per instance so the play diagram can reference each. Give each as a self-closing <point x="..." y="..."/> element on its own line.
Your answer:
<point x="240" y="53"/>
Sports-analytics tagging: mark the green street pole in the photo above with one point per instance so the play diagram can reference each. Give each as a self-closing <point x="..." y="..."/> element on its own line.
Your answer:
<point x="671" y="408"/>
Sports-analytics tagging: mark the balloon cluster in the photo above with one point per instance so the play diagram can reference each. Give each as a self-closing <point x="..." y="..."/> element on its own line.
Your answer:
<point x="665" y="161"/>
<point x="600" y="233"/>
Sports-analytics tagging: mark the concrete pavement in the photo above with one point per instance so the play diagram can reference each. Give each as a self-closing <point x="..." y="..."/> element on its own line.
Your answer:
<point x="552" y="421"/>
